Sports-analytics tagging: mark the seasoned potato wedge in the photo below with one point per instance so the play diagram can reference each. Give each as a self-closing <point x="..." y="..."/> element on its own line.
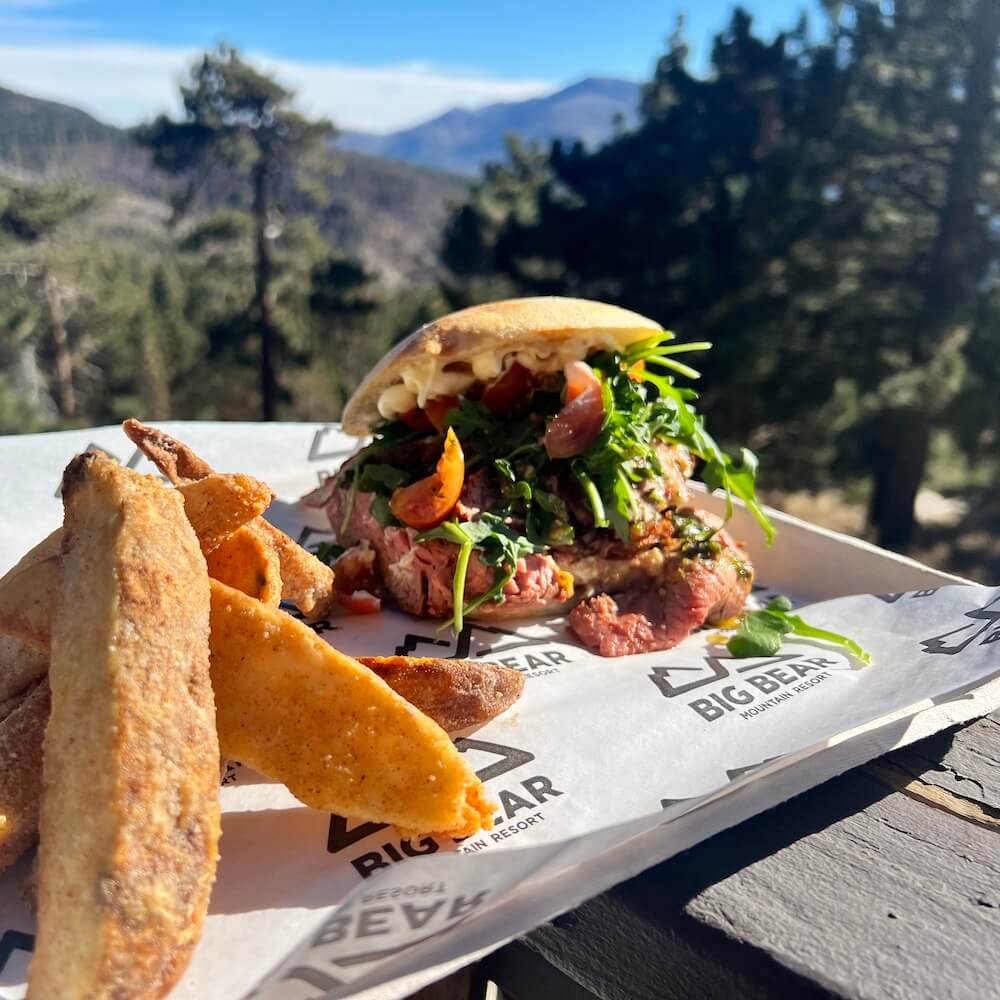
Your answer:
<point x="220" y="504"/>
<point x="217" y="506"/>
<point x="306" y="582"/>
<point x="20" y="666"/>
<point x="247" y="562"/>
<point x="27" y="596"/>
<point x="456" y="694"/>
<point x="22" y="729"/>
<point x="129" y="821"/>
<point x="295" y="709"/>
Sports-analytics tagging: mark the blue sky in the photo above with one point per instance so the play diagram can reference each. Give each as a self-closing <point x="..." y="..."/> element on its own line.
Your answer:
<point x="376" y="64"/>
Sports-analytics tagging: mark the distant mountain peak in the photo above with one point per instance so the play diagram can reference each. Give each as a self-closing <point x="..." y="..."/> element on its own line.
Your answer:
<point x="462" y="139"/>
<point x="609" y="85"/>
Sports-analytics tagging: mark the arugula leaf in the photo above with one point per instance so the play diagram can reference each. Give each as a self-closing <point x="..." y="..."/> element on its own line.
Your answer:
<point x="550" y="503"/>
<point x="592" y="494"/>
<point x="449" y="531"/>
<point x="622" y="512"/>
<point x="653" y="352"/>
<point x="389" y="435"/>
<point x="547" y="519"/>
<point x="458" y="585"/>
<point x="761" y="633"/>
<point x="382" y="512"/>
<point x="719" y="472"/>
<point x="376" y="477"/>
<point x="505" y="469"/>
<point x="485" y="436"/>
<point x="625" y="450"/>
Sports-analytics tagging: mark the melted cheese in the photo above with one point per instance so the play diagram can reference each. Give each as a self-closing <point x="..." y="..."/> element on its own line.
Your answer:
<point x="430" y="377"/>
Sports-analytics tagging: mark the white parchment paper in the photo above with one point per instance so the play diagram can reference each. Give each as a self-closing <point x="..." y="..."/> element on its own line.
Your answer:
<point x="603" y="768"/>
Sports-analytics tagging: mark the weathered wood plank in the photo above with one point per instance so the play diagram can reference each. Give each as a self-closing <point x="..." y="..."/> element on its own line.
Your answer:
<point x="963" y="762"/>
<point x="898" y="900"/>
<point x="851" y="889"/>
<point x="616" y="950"/>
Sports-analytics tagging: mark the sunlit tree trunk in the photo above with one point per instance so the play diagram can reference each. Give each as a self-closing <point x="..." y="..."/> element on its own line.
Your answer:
<point x="263" y="294"/>
<point x="65" y="395"/>
<point x="151" y="376"/>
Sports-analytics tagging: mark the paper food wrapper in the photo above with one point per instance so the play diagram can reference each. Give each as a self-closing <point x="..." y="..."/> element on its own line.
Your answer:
<point x="603" y="768"/>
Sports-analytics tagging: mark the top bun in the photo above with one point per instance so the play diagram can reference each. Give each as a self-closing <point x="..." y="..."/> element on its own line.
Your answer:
<point x="473" y="345"/>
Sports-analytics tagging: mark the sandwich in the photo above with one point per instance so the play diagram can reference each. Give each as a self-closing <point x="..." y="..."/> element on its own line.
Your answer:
<point x="533" y="457"/>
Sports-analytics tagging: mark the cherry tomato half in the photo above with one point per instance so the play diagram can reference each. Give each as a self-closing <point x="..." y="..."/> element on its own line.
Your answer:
<point x="510" y="392"/>
<point x="427" y="502"/>
<point x="416" y="419"/>
<point x="360" y="602"/>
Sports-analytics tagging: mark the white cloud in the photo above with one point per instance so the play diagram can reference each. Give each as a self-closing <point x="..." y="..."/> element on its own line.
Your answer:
<point x="126" y="83"/>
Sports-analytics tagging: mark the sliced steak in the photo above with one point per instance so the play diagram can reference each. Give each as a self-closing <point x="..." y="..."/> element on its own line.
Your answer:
<point x="690" y="590"/>
<point x="667" y="489"/>
<point x="419" y="575"/>
<point x="610" y="568"/>
<point x="650" y="593"/>
<point x="477" y="495"/>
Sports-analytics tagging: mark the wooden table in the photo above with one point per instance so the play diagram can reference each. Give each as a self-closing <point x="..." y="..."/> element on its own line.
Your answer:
<point x="884" y="882"/>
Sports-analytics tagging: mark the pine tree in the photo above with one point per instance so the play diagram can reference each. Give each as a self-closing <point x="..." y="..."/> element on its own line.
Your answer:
<point x="820" y="211"/>
<point x="918" y="134"/>
<point x="241" y="120"/>
<point x="29" y="219"/>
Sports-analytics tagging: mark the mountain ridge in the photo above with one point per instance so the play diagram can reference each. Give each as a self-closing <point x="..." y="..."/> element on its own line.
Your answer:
<point x="389" y="196"/>
<point x="389" y="214"/>
<point x="461" y="140"/>
<point x="31" y="126"/>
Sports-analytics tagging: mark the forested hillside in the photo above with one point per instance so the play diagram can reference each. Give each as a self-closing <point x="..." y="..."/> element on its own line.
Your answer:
<point x="389" y="214"/>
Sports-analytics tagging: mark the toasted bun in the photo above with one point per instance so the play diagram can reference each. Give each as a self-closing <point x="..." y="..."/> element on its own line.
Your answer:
<point x="447" y="355"/>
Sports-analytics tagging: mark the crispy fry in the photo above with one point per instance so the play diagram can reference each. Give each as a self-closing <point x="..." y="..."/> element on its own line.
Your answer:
<point x="27" y="594"/>
<point x="130" y="805"/>
<point x="172" y="457"/>
<point x="306" y="582"/>
<point x="247" y="562"/>
<point x="48" y="546"/>
<point x="219" y="505"/>
<point x="20" y="667"/>
<point x="299" y="711"/>
<point x="22" y="729"/>
<point x="456" y="694"/>
<point x="24" y="711"/>
<point x="216" y="506"/>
